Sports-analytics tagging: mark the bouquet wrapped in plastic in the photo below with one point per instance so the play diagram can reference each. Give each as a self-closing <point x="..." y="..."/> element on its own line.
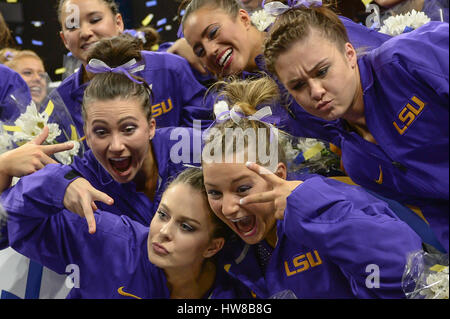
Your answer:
<point x="309" y="155"/>
<point x="23" y="122"/>
<point x="426" y="276"/>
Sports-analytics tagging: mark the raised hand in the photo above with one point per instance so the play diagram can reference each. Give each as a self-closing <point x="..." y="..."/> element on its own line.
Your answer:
<point x="182" y="48"/>
<point x="80" y="199"/>
<point x="281" y="189"/>
<point x="28" y="158"/>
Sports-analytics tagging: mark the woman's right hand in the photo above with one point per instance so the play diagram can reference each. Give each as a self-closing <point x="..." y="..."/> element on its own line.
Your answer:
<point x="183" y="49"/>
<point x="80" y="199"/>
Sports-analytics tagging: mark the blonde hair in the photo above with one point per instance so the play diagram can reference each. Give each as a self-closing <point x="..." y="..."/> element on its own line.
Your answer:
<point x="296" y="24"/>
<point x="17" y="55"/>
<point x="7" y="54"/>
<point x="248" y="94"/>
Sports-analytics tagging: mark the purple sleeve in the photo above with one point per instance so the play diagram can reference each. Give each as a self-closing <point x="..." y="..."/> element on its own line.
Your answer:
<point x="48" y="185"/>
<point x="362" y="37"/>
<point x="355" y="230"/>
<point x="197" y="105"/>
<point x="11" y="83"/>
<point x="56" y="237"/>
<point x="407" y="51"/>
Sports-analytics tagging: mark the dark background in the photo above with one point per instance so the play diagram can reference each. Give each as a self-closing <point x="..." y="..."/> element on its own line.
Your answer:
<point x="45" y="40"/>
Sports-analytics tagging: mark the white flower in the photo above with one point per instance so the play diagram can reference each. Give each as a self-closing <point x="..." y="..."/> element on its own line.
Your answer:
<point x="67" y="156"/>
<point x="290" y="151"/>
<point x="395" y="25"/>
<point x="307" y="143"/>
<point x="437" y="285"/>
<point x="262" y="20"/>
<point x="5" y="142"/>
<point x="31" y="123"/>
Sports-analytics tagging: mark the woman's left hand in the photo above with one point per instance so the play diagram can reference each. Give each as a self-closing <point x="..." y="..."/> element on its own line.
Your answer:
<point x="281" y="189"/>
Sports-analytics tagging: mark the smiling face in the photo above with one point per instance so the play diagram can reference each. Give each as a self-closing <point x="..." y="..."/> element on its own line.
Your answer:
<point x="95" y="21"/>
<point x="321" y="77"/>
<point x="223" y="43"/>
<point x="226" y="184"/>
<point x="32" y="71"/>
<point x="118" y="134"/>
<point x="181" y="231"/>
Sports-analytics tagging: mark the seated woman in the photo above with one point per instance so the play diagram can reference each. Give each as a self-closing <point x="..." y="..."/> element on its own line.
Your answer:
<point x="387" y="109"/>
<point x="315" y="236"/>
<point x="173" y="258"/>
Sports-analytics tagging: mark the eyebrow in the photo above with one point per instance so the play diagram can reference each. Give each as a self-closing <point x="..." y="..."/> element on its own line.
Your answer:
<point x="308" y="72"/>
<point x="232" y="181"/>
<point x="120" y="121"/>
<point x="183" y="218"/>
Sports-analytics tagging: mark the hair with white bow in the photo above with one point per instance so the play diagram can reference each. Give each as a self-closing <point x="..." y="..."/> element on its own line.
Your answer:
<point x="276" y="8"/>
<point x="116" y="63"/>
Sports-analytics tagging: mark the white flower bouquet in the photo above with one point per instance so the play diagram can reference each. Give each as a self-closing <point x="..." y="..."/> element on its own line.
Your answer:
<point x="28" y="122"/>
<point x="262" y="20"/>
<point x="402" y="23"/>
<point x="426" y="276"/>
<point x="310" y="155"/>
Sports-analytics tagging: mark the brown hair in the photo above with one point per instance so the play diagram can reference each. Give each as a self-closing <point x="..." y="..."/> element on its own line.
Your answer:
<point x="114" y="52"/>
<point x="6" y="39"/>
<point x="296" y="24"/>
<point x="194" y="178"/>
<point x="112" y="5"/>
<point x="151" y="37"/>
<point x="231" y="7"/>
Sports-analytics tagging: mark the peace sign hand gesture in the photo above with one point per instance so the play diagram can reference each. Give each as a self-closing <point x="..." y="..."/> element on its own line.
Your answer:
<point x="281" y="189"/>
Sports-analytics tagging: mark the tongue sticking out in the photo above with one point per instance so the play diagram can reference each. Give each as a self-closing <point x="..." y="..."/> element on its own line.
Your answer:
<point x="246" y="224"/>
<point x="121" y="165"/>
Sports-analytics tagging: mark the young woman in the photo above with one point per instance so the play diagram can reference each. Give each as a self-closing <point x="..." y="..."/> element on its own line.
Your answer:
<point x="173" y="258"/>
<point x="317" y="237"/>
<point x="389" y="107"/>
<point x="222" y="35"/>
<point x="178" y="97"/>
<point x="129" y="159"/>
<point x="31" y="67"/>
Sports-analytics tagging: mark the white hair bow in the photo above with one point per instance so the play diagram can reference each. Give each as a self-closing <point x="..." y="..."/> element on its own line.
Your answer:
<point x="277" y="8"/>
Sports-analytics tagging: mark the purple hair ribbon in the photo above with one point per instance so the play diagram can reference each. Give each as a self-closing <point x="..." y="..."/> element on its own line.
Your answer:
<point x="97" y="66"/>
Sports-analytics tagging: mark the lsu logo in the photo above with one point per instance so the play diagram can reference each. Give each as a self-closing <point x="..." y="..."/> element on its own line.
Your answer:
<point x="302" y="263"/>
<point x="408" y="114"/>
<point x="162" y="108"/>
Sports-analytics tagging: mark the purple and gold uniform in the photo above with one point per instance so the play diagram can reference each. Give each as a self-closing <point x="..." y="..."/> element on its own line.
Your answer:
<point x="112" y="263"/>
<point x="335" y="241"/>
<point x="127" y="200"/>
<point x="406" y="93"/>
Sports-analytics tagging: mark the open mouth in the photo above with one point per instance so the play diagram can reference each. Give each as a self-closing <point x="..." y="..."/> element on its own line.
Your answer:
<point x="224" y="60"/>
<point x="246" y="226"/>
<point x="87" y="45"/>
<point x="35" y="90"/>
<point x="120" y="164"/>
